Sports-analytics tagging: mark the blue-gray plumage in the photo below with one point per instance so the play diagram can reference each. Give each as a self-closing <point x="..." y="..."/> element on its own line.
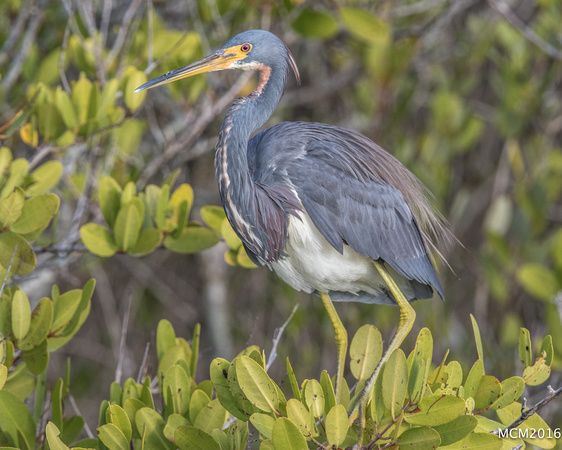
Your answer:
<point x="324" y="207"/>
<point x="334" y="185"/>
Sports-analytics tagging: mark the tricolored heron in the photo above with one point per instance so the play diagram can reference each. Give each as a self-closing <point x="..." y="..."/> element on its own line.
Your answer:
<point x="324" y="207"/>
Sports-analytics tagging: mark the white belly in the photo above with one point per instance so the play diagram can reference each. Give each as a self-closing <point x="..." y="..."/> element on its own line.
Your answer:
<point x="312" y="264"/>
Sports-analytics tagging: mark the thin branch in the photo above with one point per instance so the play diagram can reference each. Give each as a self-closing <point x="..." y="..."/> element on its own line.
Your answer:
<point x="13" y="73"/>
<point x="503" y="9"/>
<point x="78" y="413"/>
<point x="144" y="365"/>
<point x="153" y="64"/>
<point x="61" y="248"/>
<point x="123" y="31"/>
<point x="150" y="19"/>
<point x="277" y="337"/>
<point x="86" y="12"/>
<point x="64" y="46"/>
<point x="105" y="18"/>
<point x="187" y="139"/>
<point x="415" y="8"/>
<point x="526" y="413"/>
<point x="16" y="30"/>
<point x="122" y="342"/>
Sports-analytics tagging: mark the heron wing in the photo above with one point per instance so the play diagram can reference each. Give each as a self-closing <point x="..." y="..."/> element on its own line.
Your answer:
<point x="371" y="217"/>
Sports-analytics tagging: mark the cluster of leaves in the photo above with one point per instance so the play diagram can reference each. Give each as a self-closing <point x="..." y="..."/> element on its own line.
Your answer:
<point x="414" y="404"/>
<point x="27" y="338"/>
<point x="25" y="210"/>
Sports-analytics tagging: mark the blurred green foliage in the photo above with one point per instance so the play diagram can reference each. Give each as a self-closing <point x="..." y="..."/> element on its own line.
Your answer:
<point x="466" y="94"/>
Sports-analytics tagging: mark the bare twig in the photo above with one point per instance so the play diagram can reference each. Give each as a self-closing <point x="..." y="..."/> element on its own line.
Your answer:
<point x="503" y="9"/>
<point x="87" y="15"/>
<point x="150" y="19"/>
<point x="144" y="365"/>
<point x="187" y="139"/>
<point x="122" y="342"/>
<point x="13" y="73"/>
<point x="416" y="8"/>
<point x="105" y="17"/>
<point x="123" y="31"/>
<point x="277" y="337"/>
<point x="16" y="30"/>
<point x="78" y="413"/>
<point x="61" y="248"/>
<point x="526" y="413"/>
<point x="64" y="46"/>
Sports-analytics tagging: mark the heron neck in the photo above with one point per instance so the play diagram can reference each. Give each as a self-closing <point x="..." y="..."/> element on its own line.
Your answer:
<point x="246" y="115"/>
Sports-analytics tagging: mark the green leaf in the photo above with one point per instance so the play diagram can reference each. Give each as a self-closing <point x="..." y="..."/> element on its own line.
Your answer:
<point x="56" y="404"/>
<point x="293" y="381"/>
<point x="72" y="427"/>
<point x="113" y="437"/>
<point x="219" y="376"/>
<point x="212" y="416"/>
<point x="191" y="438"/>
<point x="264" y="422"/>
<point x="511" y="390"/>
<point x="162" y="208"/>
<point x="3" y="375"/>
<point x="314" y="398"/>
<point x="329" y="393"/>
<point x="473" y="379"/>
<point x="213" y="217"/>
<point x="41" y="320"/>
<point x="98" y="240"/>
<point x="131" y="407"/>
<point x="419" y="438"/>
<point x="436" y="410"/>
<point x="195" y="352"/>
<point x="52" y="433"/>
<point x="11" y="208"/>
<point x="109" y="197"/>
<point x="24" y="260"/>
<point x="538" y="373"/>
<point x="477" y="339"/>
<point x="336" y="425"/>
<point x="173" y="422"/>
<point x="488" y="392"/>
<point x="165" y="337"/>
<point x="21" y="314"/>
<point x="365" y="351"/>
<point x="44" y="178"/>
<point x="525" y="352"/>
<point x="16" y="421"/>
<point x="256" y="384"/>
<point x="456" y="429"/>
<point x="128" y="225"/>
<point x="132" y="99"/>
<point x="314" y="24"/>
<point x="180" y="205"/>
<point x="149" y="240"/>
<point x="117" y="416"/>
<point x="477" y="441"/>
<point x="20" y="382"/>
<point x="178" y="382"/>
<point x="191" y="240"/>
<point x="365" y="26"/>
<point x="395" y="382"/>
<point x="286" y="436"/>
<point x="301" y="417"/>
<point x="36" y="214"/>
<point x="37" y="358"/>
<point x="150" y="426"/>
<point x="65" y="108"/>
<point x="538" y="280"/>
<point x="18" y="170"/>
<point x="230" y="236"/>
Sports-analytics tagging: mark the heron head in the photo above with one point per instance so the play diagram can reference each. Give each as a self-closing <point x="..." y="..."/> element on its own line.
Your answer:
<point x="250" y="50"/>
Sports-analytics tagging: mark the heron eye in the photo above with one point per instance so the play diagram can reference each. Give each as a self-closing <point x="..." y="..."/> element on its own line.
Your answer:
<point x="245" y="48"/>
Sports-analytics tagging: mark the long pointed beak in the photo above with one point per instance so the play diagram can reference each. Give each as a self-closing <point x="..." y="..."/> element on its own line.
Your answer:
<point x="219" y="60"/>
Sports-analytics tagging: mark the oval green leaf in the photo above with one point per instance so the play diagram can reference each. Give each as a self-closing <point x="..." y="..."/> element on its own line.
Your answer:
<point x="116" y="415"/>
<point x="41" y="321"/>
<point x="264" y="423"/>
<point x="315" y="24"/>
<point x="488" y="392"/>
<point x="456" y="429"/>
<point x="436" y="410"/>
<point x="256" y="384"/>
<point x="337" y="425"/>
<point x="192" y="239"/>
<point x="191" y="438"/>
<point x="421" y="438"/>
<point x="17" y="422"/>
<point x="36" y="214"/>
<point x="395" y="382"/>
<point x="314" y="398"/>
<point x="98" y="240"/>
<point x="286" y="436"/>
<point x="21" y="314"/>
<point x="365" y="351"/>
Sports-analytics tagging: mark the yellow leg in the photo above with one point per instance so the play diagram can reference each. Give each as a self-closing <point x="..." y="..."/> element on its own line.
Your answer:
<point x="407" y="318"/>
<point x="341" y="340"/>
